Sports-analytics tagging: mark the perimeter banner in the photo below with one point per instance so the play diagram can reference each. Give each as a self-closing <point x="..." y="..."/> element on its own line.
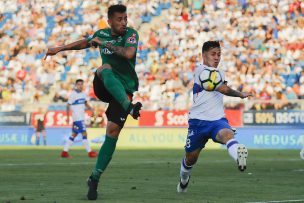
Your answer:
<point x="14" y="118"/>
<point x="274" y="117"/>
<point x="180" y="118"/>
<point x="154" y="138"/>
<point x="168" y="138"/>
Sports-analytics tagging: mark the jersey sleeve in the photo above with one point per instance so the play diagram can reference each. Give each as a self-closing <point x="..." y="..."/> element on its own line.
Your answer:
<point x="71" y="98"/>
<point x="89" y="38"/>
<point x="132" y="39"/>
<point x="87" y="98"/>
<point x="222" y="74"/>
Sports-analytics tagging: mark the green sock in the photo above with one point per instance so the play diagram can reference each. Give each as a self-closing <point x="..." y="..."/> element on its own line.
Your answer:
<point x="115" y="88"/>
<point x="104" y="157"/>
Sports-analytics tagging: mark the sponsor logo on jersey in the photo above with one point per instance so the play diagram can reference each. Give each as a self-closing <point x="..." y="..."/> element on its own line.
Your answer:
<point x="132" y="39"/>
<point x="104" y="33"/>
<point x="106" y="51"/>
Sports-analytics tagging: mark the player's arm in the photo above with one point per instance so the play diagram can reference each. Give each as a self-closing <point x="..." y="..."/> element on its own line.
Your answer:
<point x="226" y="90"/>
<point x="125" y="52"/>
<point x="87" y="105"/>
<point x="78" y="45"/>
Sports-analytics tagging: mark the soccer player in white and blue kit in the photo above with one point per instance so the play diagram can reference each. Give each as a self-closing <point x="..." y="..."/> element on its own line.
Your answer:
<point x="207" y="118"/>
<point x="77" y="102"/>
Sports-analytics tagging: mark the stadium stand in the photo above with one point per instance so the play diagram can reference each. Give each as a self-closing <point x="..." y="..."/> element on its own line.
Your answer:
<point x="262" y="43"/>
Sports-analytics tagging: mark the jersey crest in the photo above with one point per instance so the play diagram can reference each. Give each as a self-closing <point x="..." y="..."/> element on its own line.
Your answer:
<point x="132" y="39"/>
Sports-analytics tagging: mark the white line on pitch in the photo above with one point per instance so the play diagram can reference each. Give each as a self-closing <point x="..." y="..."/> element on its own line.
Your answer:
<point x="131" y="162"/>
<point x="46" y="164"/>
<point x="280" y="201"/>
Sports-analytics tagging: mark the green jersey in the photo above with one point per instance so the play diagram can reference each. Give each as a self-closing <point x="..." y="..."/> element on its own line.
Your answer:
<point x="123" y="68"/>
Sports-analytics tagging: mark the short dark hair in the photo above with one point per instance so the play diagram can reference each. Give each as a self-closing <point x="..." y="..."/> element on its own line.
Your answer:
<point x="120" y="8"/>
<point x="210" y="44"/>
<point x="78" y="80"/>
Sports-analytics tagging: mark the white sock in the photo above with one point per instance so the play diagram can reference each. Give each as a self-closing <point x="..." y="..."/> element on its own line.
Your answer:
<point x="185" y="172"/>
<point x="232" y="148"/>
<point x="67" y="145"/>
<point x="87" y="145"/>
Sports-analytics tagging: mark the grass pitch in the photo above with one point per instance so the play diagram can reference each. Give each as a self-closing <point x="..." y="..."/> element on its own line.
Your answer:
<point x="40" y="175"/>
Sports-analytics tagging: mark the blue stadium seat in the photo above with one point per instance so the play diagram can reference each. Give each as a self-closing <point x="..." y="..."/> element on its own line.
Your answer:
<point x="49" y="27"/>
<point x="161" y="51"/>
<point x="57" y="107"/>
<point x="63" y="76"/>
<point x="39" y="56"/>
<point x="290" y="79"/>
<point x="165" y="5"/>
<point x="157" y="11"/>
<point x="146" y="18"/>
<point x="7" y="16"/>
<point x="67" y="68"/>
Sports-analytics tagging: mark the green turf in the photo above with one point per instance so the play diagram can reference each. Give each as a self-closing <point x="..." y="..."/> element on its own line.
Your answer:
<point x="40" y="175"/>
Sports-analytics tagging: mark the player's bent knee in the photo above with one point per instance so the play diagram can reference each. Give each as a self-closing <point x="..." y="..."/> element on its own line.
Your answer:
<point x="104" y="66"/>
<point x="101" y="68"/>
<point x="113" y="129"/>
<point x="225" y="135"/>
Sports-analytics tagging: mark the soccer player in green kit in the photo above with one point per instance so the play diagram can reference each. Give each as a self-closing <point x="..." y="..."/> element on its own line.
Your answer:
<point x="114" y="82"/>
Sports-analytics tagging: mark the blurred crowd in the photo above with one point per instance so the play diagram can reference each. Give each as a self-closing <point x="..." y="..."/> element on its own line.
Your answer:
<point x="262" y="48"/>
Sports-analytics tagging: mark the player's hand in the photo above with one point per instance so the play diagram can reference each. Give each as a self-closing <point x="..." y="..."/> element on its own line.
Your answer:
<point x="52" y="51"/>
<point x="245" y="95"/>
<point x="95" y="42"/>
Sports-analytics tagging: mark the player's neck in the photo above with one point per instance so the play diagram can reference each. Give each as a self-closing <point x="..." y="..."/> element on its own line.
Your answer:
<point x="114" y="34"/>
<point x="205" y="64"/>
<point x="208" y="65"/>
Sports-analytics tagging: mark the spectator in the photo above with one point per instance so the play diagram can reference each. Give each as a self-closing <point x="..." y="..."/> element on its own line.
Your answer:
<point x="262" y="45"/>
<point x="291" y="94"/>
<point x="40" y="126"/>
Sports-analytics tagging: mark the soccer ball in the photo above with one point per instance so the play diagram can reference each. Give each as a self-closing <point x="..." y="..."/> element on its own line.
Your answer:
<point x="210" y="79"/>
<point x="302" y="154"/>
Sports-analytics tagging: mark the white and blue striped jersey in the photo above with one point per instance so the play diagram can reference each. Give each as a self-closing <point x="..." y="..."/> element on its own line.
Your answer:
<point x="208" y="106"/>
<point x="77" y="102"/>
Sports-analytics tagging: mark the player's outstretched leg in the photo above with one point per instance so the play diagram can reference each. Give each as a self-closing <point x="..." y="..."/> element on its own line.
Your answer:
<point x="184" y="177"/>
<point x="238" y="152"/>
<point x="242" y="157"/>
<point x="117" y="90"/>
<point x="114" y="86"/>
